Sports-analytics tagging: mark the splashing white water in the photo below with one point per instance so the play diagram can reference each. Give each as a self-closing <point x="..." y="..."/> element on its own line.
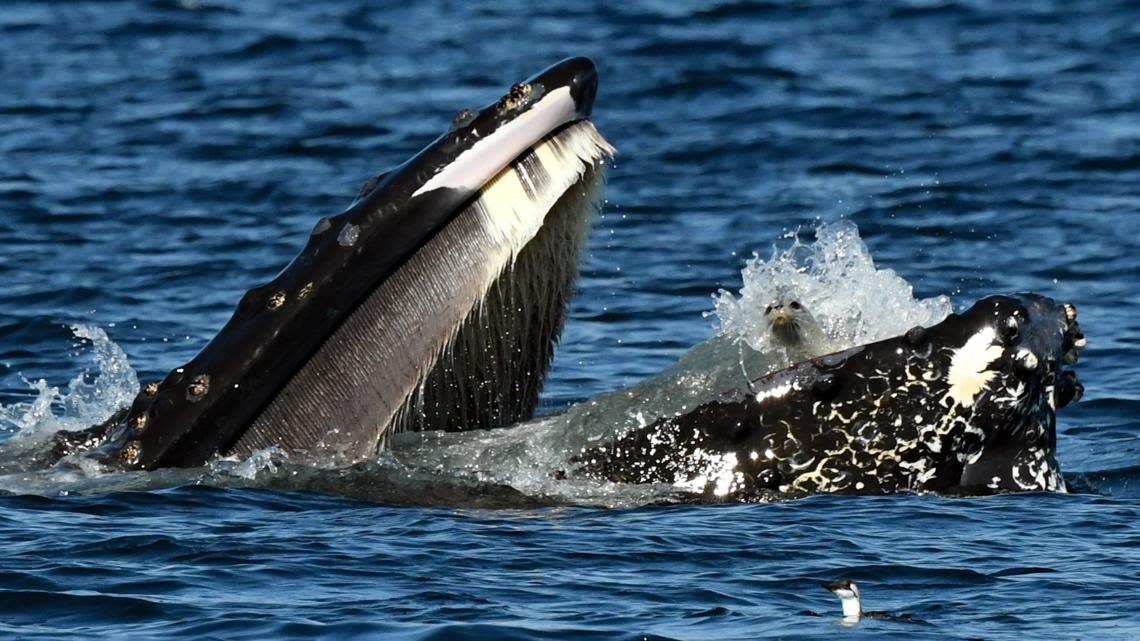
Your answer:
<point x="836" y="279"/>
<point x="261" y="462"/>
<point x="89" y="398"/>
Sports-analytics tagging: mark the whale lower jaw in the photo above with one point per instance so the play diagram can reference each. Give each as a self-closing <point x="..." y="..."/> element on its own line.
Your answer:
<point x="459" y="337"/>
<point x="965" y="406"/>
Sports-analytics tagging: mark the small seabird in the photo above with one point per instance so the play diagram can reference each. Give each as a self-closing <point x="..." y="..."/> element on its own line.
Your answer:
<point x="796" y="330"/>
<point x="848" y="594"/>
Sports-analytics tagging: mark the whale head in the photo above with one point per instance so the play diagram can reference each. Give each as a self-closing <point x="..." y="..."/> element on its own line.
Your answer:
<point x="433" y="301"/>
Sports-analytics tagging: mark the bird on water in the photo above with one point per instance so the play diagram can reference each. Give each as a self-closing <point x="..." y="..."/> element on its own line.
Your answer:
<point x="853" y="612"/>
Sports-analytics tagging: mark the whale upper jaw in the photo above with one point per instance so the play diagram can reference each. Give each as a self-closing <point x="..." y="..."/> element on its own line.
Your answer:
<point x="497" y="173"/>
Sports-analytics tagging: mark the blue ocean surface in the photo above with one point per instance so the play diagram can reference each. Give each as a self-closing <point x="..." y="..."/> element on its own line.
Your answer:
<point x="159" y="158"/>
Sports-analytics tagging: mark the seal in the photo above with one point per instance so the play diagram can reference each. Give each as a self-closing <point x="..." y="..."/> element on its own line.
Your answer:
<point x="966" y="405"/>
<point x="794" y="328"/>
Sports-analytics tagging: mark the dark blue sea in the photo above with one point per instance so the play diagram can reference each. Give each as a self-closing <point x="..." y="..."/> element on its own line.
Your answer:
<point x="159" y="158"/>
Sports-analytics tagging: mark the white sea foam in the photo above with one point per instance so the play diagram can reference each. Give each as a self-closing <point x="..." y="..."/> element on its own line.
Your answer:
<point x="259" y="463"/>
<point x="89" y="398"/>
<point x="836" y="279"/>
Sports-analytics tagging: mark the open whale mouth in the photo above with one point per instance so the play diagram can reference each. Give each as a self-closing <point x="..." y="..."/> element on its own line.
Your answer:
<point x="433" y="302"/>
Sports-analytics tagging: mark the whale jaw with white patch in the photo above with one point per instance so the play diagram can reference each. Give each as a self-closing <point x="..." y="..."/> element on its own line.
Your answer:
<point x="970" y="366"/>
<point x="477" y="166"/>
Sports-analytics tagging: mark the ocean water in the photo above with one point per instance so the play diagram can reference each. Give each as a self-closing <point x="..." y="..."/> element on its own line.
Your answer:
<point x="157" y="159"/>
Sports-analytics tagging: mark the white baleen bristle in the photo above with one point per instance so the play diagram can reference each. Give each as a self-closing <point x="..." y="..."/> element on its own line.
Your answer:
<point x="484" y="243"/>
<point x="513" y="205"/>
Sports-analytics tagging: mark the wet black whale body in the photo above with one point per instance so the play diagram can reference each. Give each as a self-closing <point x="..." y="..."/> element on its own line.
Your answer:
<point x="432" y="302"/>
<point x="967" y="405"/>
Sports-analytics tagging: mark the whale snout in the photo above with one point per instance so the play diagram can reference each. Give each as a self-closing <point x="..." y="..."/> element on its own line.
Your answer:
<point x="584" y="85"/>
<point x="578" y="75"/>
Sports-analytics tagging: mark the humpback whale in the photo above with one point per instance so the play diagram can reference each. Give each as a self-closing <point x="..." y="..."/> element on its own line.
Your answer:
<point x="966" y="405"/>
<point x="432" y="302"/>
<point x="435" y="300"/>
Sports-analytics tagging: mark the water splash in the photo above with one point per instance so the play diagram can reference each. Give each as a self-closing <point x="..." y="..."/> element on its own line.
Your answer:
<point x="260" y="464"/>
<point x="89" y="398"/>
<point x="834" y="277"/>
